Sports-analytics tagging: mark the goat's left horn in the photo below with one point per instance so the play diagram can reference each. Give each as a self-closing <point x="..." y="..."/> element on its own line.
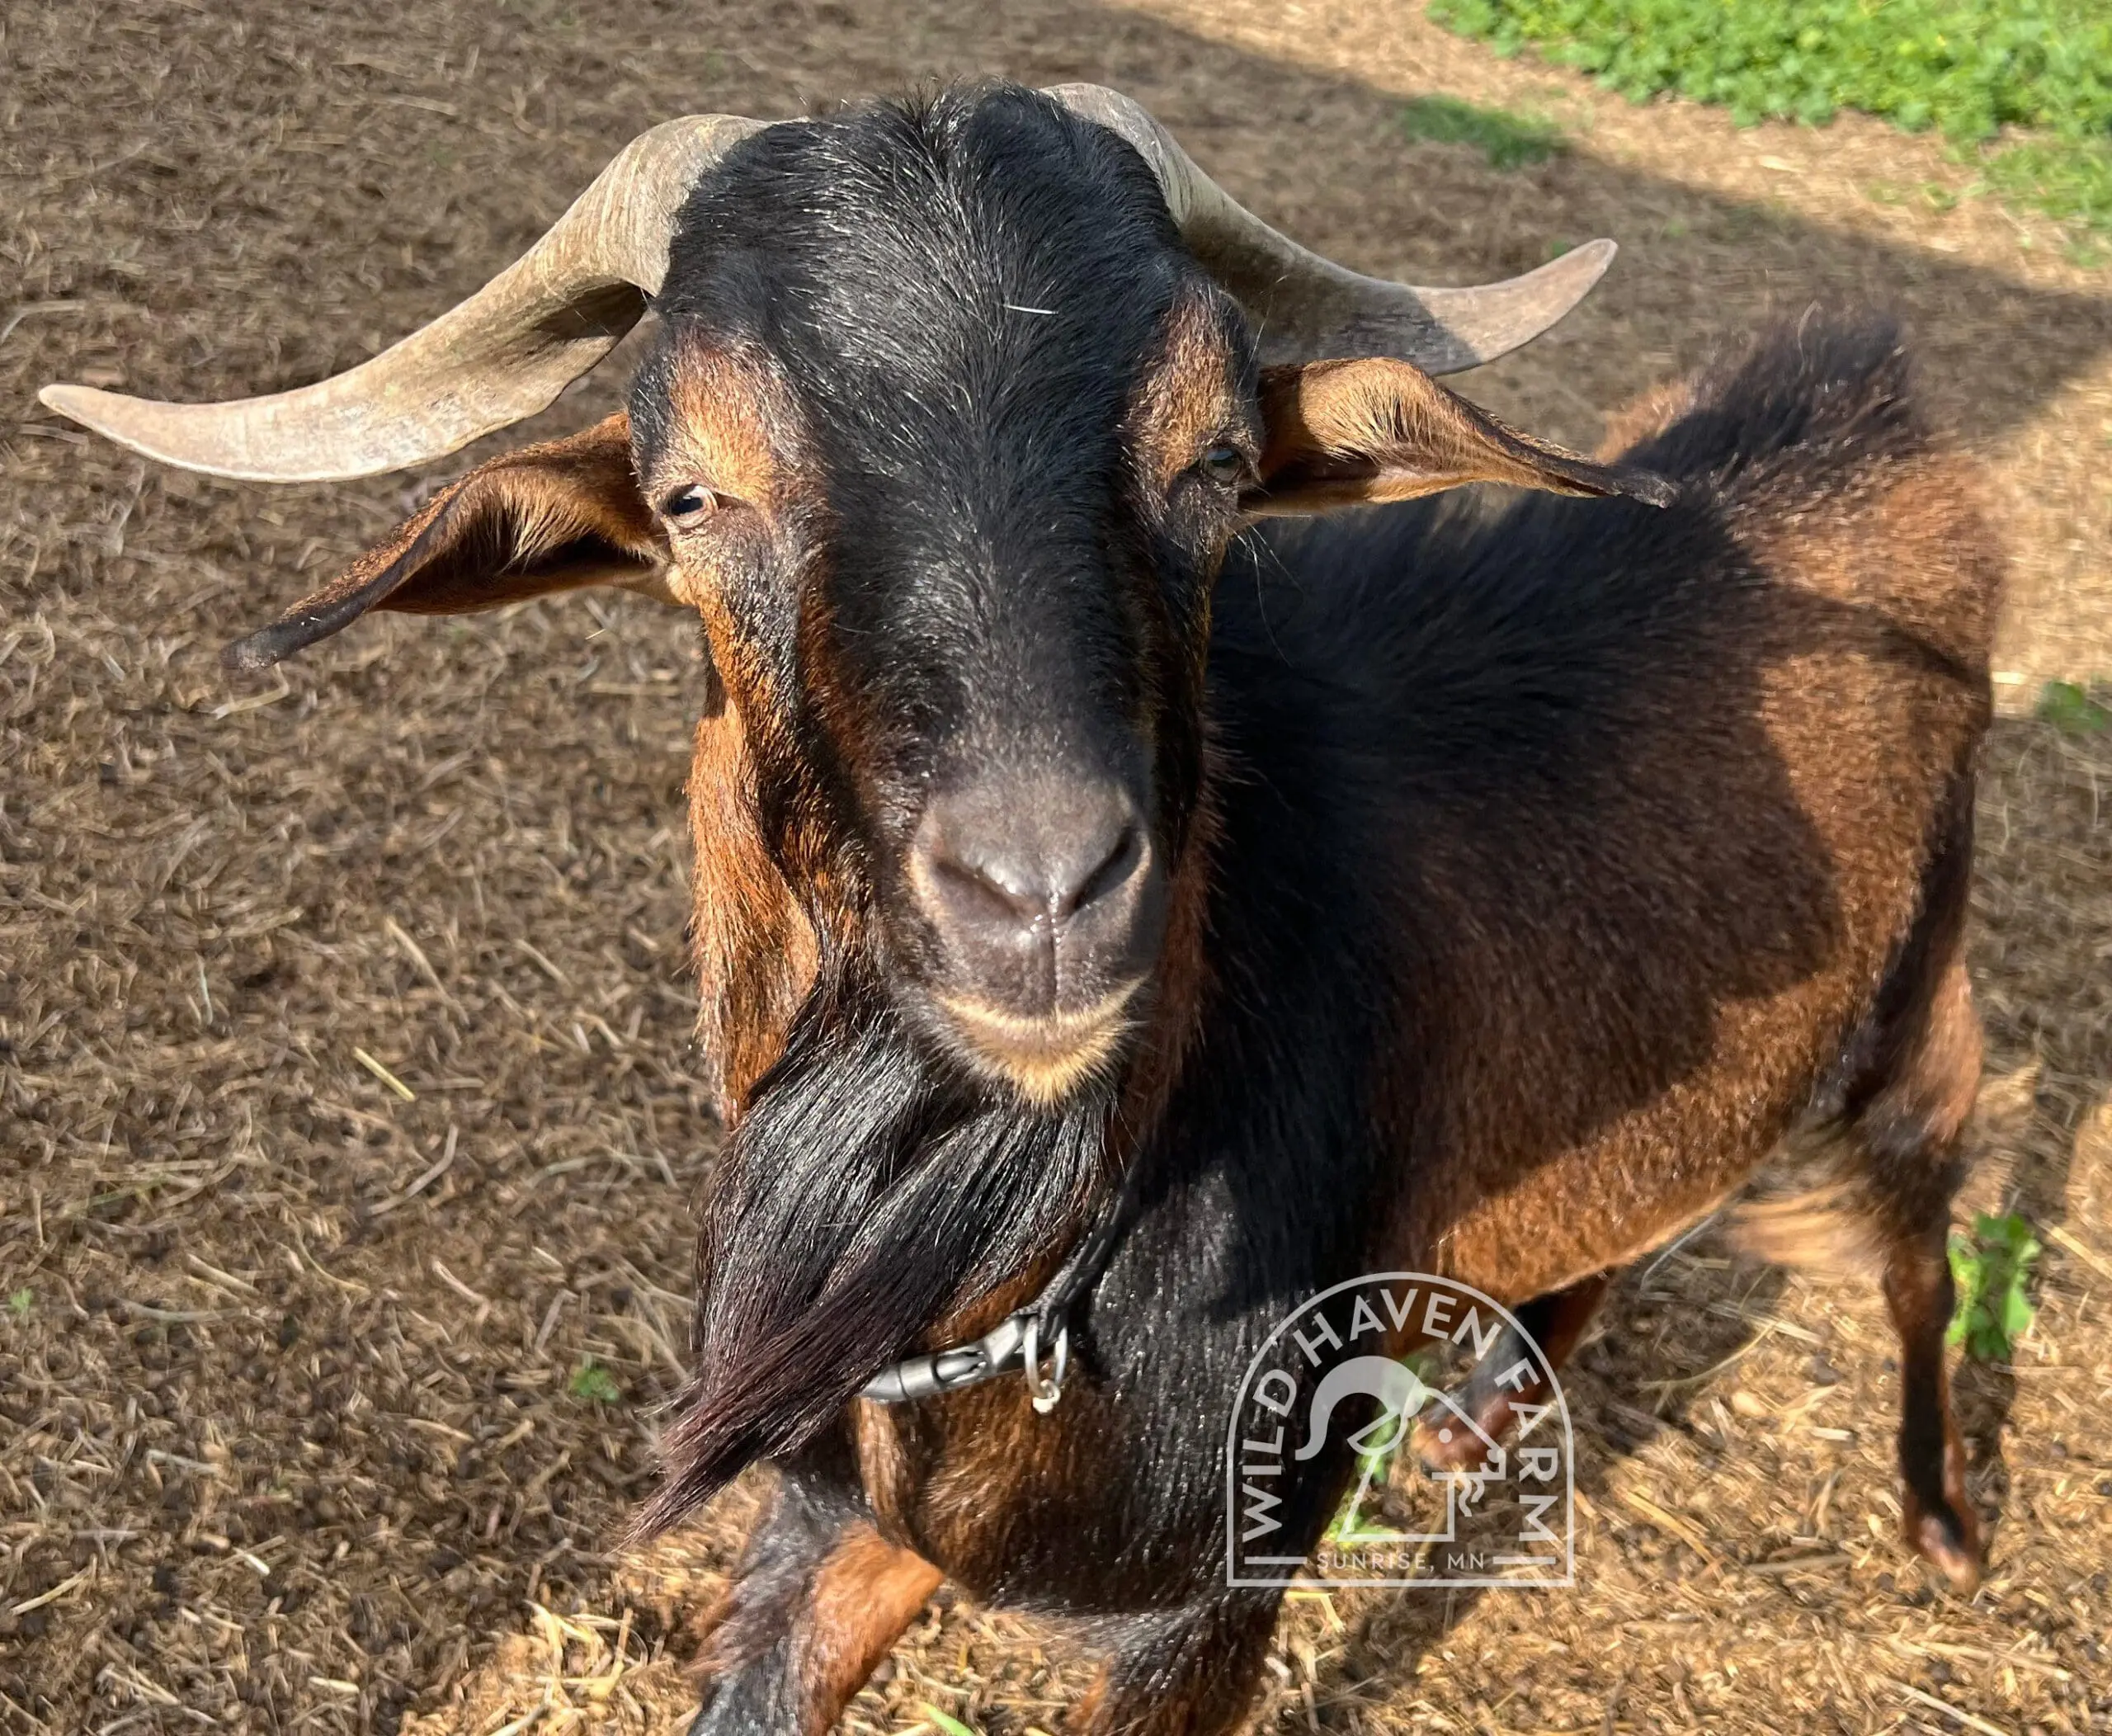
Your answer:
<point x="1306" y="308"/>
<point x="497" y="358"/>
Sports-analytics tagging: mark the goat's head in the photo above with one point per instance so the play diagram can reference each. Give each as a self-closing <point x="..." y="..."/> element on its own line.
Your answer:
<point x="952" y="411"/>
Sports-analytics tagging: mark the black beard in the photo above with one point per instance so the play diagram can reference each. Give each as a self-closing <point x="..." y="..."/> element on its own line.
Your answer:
<point x="870" y="1192"/>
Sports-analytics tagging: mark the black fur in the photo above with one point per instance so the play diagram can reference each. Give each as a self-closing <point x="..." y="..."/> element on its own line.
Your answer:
<point x="863" y="1197"/>
<point x="959" y="295"/>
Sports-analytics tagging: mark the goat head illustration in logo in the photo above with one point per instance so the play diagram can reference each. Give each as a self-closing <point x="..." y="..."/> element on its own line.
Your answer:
<point x="1394" y="1384"/>
<point x="1402" y="1398"/>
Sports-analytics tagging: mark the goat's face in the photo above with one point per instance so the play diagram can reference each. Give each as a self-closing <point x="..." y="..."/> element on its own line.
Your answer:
<point x="947" y="433"/>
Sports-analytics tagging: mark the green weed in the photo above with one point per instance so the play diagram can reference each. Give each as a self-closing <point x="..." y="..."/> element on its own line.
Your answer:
<point x="2068" y="179"/>
<point x="21" y="1302"/>
<point x="1507" y="140"/>
<point x="1373" y="1465"/>
<point x="594" y="1382"/>
<point x="948" y="1725"/>
<point x="1993" y="1273"/>
<point x="2068" y="706"/>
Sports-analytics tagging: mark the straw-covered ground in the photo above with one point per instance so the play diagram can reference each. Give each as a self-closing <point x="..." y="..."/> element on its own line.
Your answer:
<point x="322" y="1400"/>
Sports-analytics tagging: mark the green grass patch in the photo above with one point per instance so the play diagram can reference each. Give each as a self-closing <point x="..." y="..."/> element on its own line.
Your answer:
<point x="2069" y="707"/>
<point x="2071" y="179"/>
<point x="1991" y="1270"/>
<point x="1509" y="140"/>
<point x="1969" y="68"/>
<point x="21" y="1302"/>
<point x="594" y="1382"/>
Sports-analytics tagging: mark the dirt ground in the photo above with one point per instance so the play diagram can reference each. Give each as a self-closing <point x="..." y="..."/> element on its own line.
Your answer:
<point x="322" y="1400"/>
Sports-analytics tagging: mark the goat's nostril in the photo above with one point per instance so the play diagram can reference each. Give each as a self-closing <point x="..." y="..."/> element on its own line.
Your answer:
<point x="998" y="886"/>
<point x="1026" y="861"/>
<point x="1042" y="900"/>
<point x="1110" y="871"/>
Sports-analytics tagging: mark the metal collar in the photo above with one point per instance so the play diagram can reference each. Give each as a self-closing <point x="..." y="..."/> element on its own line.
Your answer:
<point x="1018" y="1338"/>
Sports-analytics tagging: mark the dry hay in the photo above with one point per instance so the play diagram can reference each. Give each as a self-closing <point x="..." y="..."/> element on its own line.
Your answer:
<point x="288" y="1435"/>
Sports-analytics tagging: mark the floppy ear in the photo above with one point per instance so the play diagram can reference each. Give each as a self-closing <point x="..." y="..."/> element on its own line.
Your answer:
<point x="550" y="517"/>
<point x="1339" y="433"/>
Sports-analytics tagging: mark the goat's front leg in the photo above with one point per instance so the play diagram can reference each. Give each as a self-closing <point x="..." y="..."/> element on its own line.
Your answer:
<point x="821" y="1597"/>
<point x="1189" y="1672"/>
<point x="1556" y="1321"/>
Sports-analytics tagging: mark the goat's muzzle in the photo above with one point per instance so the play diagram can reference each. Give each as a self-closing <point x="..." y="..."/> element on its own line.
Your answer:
<point x="1047" y="898"/>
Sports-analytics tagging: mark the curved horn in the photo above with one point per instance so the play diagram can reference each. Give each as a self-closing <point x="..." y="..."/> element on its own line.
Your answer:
<point x="497" y="358"/>
<point x="510" y="349"/>
<point x="1306" y="308"/>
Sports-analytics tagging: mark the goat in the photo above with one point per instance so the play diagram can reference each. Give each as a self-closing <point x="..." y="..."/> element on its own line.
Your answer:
<point x="1107" y="865"/>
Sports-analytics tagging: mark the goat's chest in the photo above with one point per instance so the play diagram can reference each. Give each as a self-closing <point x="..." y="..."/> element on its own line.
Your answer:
<point x="1115" y="1499"/>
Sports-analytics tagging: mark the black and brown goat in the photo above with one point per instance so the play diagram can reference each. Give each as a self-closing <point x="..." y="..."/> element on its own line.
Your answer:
<point x="1481" y="887"/>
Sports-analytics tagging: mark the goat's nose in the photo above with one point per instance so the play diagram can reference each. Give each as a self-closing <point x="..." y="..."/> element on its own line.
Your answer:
<point x="1031" y="874"/>
<point x="1038" y="888"/>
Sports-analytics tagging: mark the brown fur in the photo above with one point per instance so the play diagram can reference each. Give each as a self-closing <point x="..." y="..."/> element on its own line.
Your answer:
<point x="1827" y="1219"/>
<point x="1648" y="413"/>
<point x="534" y="505"/>
<point x="865" y="1595"/>
<point x="1633" y="1183"/>
<point x="558" y="516"/>
<point x="734" y="430"/>
<point x="884" y="1470"/>
<point x="735" y="433"/>
<point x="1821" y="1226"/>
<point x="754" y="946"/>
<point x="834" y="1616"/>
<point x="1188" y="398"/>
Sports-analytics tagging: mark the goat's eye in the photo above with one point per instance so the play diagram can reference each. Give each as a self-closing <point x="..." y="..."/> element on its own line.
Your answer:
<point x="686" y="505"/>
<point x="1224" y="463"/>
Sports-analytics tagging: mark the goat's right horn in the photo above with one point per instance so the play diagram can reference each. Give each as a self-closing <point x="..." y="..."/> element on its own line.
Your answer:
<point x="1307" y="309"/>
<point x="497" y="358"/>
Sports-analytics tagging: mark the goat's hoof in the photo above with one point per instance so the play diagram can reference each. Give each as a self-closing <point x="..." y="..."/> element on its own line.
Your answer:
<point x="1948" y="1540"/>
